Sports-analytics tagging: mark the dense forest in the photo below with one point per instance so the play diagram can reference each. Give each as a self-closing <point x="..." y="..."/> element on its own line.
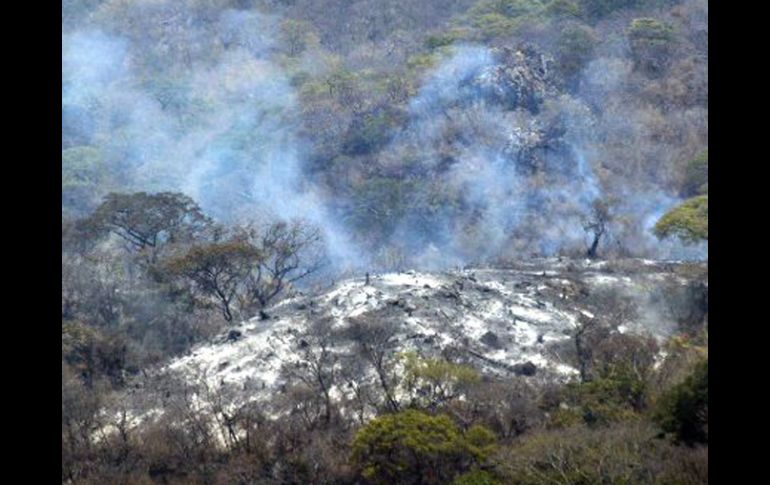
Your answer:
<point x="221" y="158"/>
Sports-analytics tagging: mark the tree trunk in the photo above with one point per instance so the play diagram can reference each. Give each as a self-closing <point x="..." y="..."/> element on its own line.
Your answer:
<point x="594" y="246"/>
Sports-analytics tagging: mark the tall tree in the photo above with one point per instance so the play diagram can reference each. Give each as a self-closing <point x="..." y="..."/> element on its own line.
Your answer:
<point x="148" y="221"/>
<point x="218" y="271"/>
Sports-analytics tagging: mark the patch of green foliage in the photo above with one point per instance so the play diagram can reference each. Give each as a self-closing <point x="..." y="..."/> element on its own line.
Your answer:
<point x="696" y="177"/>
<point x="598" y="403"/>
<point x="683" y="410"/>
<point x="651" y="44"/>
<point x="415" y="447"/>
<point x="505" y="8"/>
<point x="689" y="221"/>
<point x="601" y="8"/>
<point x="500" y="18"/>
<point x="476" y="477"/>
<point x="650" y="29"/>
<point x="435" y="381"/>
<point x="370" y="133"/>
<point x="574" y="48"/>
<point x="447" y="38"/>
<point x="564" y="8"/>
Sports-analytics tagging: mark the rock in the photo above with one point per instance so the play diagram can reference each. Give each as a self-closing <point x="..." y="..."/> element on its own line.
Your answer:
<point x="525" y="369"/>
<point x="521" y="78"/>
<point x="303" y="344"/>
<point x="490" y="339"/>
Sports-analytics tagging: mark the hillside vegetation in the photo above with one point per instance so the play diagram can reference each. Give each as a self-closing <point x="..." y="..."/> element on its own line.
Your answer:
<point x="227" y="165"/>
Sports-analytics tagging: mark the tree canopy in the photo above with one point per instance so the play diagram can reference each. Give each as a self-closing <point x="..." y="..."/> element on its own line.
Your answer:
<point x="688" y="221"/>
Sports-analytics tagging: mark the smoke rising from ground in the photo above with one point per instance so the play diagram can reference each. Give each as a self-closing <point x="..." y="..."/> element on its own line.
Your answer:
<point x="502" y="207"/>
<point x="235" y="152"/>
<point x="223" y="128"/>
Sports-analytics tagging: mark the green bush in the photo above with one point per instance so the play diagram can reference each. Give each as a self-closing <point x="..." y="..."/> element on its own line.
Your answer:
<point x="564" y="8"/>
<point x="493" y="25"/>
<point x="597" y="403"/>
<point x="601" y="8"/>
<point x="617" y="393"/>
<point x="696" y="178"/>
<point x="683" y="410"/>
<point x="415" y="447"/>
<point x="574" y="48"/>
<point x="505" y="8"/>
<point x="369" y="133"/>
<point x="476" y="477"/>
<point x="651" y="44"/>
<point x="442" y="39"/>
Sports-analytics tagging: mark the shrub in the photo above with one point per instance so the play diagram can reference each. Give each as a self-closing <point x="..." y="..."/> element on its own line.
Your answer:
<point x="651" y="44"/>
<point x="601" y="8"/>
<point x="476" y="477"/>
<point x="683" y="411"/>
<point x="696" y="176"/>
<point x="415" y="447"/>
<point x="622" y="454"/>
<point x="575" y="47"/>
<point x="563" y="8"/>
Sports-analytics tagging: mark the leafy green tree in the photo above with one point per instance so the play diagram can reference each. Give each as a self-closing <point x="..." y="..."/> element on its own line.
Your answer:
<point x="412" y="447"/>
<point x="688" y="221"/>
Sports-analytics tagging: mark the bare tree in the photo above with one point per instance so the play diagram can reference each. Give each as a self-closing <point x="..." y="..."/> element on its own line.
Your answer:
<point x="375" y="337"/>
<point x="290" y="251"/>
<point x="316" y="367"/>
<point x="587" y="333"/>
<point x="597" y="224"/>
<point x="217" y="270"/>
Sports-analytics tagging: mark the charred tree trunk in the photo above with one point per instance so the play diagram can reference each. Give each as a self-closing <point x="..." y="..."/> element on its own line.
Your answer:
<point x="591" y="253"/>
